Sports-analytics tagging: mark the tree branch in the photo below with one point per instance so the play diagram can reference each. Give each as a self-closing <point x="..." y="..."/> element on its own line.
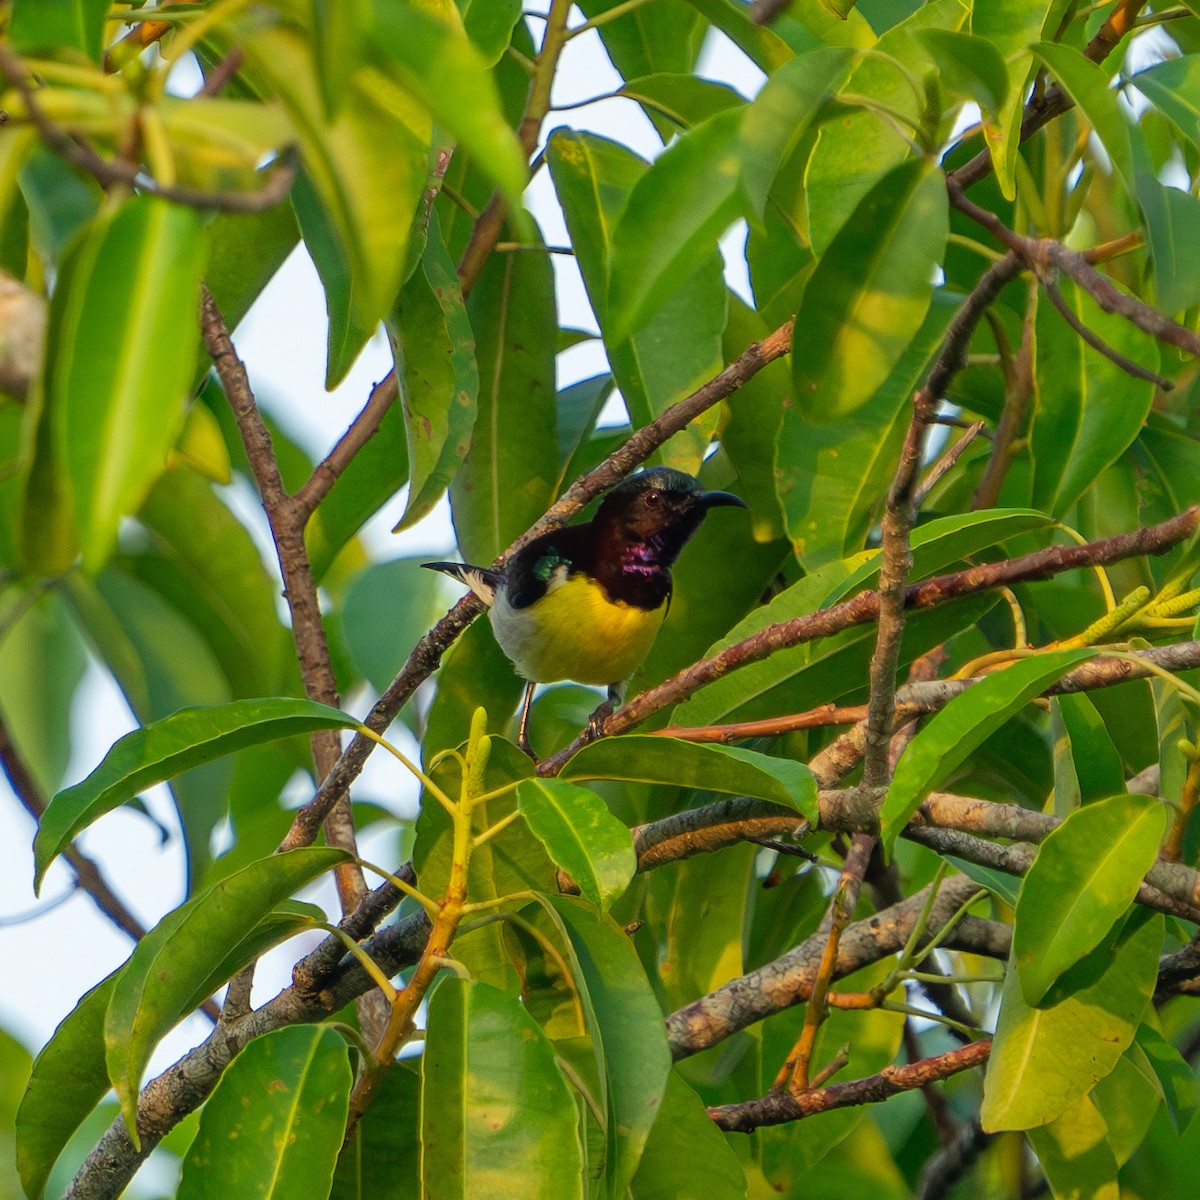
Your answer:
<point x="778" y="1108"/>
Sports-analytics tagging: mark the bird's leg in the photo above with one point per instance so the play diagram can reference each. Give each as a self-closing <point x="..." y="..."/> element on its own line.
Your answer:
<point x="523" y="728"/>
<point x="616" y="696"/>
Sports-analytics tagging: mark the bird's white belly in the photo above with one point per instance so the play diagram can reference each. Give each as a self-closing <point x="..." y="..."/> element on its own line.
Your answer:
<point x="575" y="632"/>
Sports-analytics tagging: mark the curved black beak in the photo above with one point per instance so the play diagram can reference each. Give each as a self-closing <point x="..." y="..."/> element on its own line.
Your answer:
<point x="717" y="499"/>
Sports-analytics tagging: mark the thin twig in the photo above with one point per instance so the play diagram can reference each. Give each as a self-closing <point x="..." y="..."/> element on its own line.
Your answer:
<point x="779" y="1108"/>
<point x="1097" y="343"/>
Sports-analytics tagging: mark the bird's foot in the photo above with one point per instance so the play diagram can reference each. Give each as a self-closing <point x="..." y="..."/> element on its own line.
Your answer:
<point x="523" y="744"/>
<point x="593" y="729"/>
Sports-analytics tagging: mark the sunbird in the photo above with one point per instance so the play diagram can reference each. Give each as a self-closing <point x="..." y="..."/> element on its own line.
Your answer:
<point x="585" y="602"/>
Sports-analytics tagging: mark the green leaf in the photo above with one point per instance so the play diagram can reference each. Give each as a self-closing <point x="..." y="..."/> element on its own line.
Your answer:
<point x="781" y="113"/>
<point x="965" y="723"/>
<point x="57" y="25"/>
<point x="652" y="38"/>
<point x="434" y="348"/>
<point x="1128" y="1098"/>
<point x="1173" y="225"/>
<point x="1082" y="881"/>
<point x="274" y="1123"/>
<point x="581" y="836"/>
<point x="377" y="1162"/>
<point x="970" y="66"/>
<point x="625" y="1023"/>
<point x="833" y="475"/>
<point x="1087" y="84"/>
<point x="1010" y="28"/>
<point x="710" y="767"/>
<point x="762" y="46"/>
<point x="1180" y="1087"/>
<point x="1044" y="1059"/>
<point x="489" y="24"/>
<point x="354" y="204"/>
<point x="163" y="749"/>
<point x="865" y="302"/>
<point x="1088" y="410"/>
<point x="680" y="348"/>
<point x="69" y="1079"/>
<point x="425" y="52"/>
<point x="686" y="100"/>
<point x="494" y="1106"/>
<point x="190" y="953"/>
<point x="1094" y="759"/>
<point x="505" y="481"/>
<point x="854" y="152"/>
<point x="1073" y="1151"/>
<point x="206" y="565"/>
<point x="674" y="214"/>
<point x="122" y="339"/>
<point x="687" y="1155"/>
<point x="1173" y="87"/>
<point x="577" y="409"/>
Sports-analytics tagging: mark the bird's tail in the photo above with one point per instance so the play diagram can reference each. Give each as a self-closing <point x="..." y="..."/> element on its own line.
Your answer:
<point x="483" y="581"/>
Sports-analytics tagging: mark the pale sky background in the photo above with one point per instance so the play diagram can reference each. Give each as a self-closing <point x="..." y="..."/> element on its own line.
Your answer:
<point x="282" y="341"/>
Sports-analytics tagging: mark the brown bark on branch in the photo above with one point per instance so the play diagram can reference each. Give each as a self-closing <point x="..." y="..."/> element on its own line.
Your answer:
<point x="778" y="1108"/>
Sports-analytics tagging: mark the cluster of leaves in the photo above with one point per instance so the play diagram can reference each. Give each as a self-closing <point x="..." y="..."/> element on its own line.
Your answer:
<point x="394" y="140"/>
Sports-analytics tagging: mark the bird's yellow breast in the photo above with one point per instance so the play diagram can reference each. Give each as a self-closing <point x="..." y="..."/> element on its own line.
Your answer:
<point x="576" y="632"/>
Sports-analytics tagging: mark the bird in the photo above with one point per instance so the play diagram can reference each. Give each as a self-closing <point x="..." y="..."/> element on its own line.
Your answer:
<point x="585" y="602"/>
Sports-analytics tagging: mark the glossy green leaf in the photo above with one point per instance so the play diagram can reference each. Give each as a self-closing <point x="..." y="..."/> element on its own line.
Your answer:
<point x="577" y="409"/>
<point x="42" y="662"/>
<point x="1044" y="1059"/>
<point x="494" y="1106"/>
<point x="952" y="734"/>
<point x="1073" y="1151"/>
<point x="1088" y="85"/>
<point x="163" y="749"/>
<point x="1173" y="224"/>
<point x="1180" y="1087"/>
<point x="711" y="767"/>
<point x="39" y="25"/>
<point x="687" y="1155"/>
<point x="221" y="144"/>
<point x="760" y="44"/>
<point x="378" y="1162"/>
<point x="1011" y="28"/>
<point x="1094" y="759"/>
<point x="970" y="66"/>
<point x="1128" y="1098"/>
<point x="782" y="111"/>
<point x="833" y="475"/>
<point x="865" y="302"/>
<point x="685" y="100"/>
<point x="853" y="153"/>
<point x="114" y="392"/>
<point x="189" y="954"/>
<point x="680" y="348"/>
<point x="489" y="24"/>
<point x="676" y="211"/>
<point x="581" y="836"/>
<point x="1088" y="410"/>
<point x="425" y="52"/>
<point x="274" y="1123"/>
<point x="354" y="205"/>
<point x="504" y="483"/>
<point x="388" y="607"/>
<point x="338" y="27"/>
<point x="434" y="349"/>
<point x="69" y="1079"/>
<point x="625" y="1023"/>
<point x="206" y="565"/>
<point x="1083" y="880"/>
<point x="649" y="39"/>
<point x="1173" y="87"/>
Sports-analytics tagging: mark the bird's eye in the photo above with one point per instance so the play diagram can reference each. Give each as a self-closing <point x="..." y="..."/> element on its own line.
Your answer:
<point x="653" y="497"/>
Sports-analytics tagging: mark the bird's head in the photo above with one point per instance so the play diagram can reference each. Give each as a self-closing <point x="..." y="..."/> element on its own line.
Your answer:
<point x="657" y="511"/>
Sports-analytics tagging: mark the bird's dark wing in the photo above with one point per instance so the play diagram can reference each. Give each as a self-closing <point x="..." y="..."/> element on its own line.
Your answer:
<point x="529" y="570"/>
<point x="483" y="581"/>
